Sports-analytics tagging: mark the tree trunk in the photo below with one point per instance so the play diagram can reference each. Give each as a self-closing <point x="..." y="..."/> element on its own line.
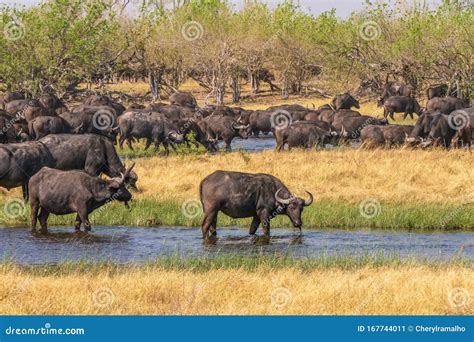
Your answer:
<point x="235" y="90"/>
<point x="154" y="87"/>
<point x="284" y="90"/>
<point x="220" y="93"/>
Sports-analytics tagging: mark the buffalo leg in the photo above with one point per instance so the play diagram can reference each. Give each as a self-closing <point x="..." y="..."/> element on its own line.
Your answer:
<point x="385" y="113"/>
<point x="213" y="227"/>
<point x="254" y="225"/>
<point x="24" y="188"/>
<point x="77" y="223"/>
<point x="121" y="141"/>
<point x="129" y="143"/>
<point x="84" y="217"/>
<point x="265" y="219"/>
<point x="148" y="143"/>
<point x="228" y="147"/>
<point x="209" y="218"/>
<point x="34" y="215"/>
<point x="43" y="218"/>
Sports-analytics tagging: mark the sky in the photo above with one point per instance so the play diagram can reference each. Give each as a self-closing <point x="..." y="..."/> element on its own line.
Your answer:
<point x="343" y="7"/>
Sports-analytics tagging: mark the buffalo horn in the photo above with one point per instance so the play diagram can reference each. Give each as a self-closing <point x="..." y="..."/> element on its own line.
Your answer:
<point x="129" y="169"/>
<point x="310" y="201"/>
<point x="281" y="200"/>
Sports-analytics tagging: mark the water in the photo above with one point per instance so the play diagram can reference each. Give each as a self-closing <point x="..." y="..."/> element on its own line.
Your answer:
<point x="137" y="244"/>
<point x="253" y="144"/>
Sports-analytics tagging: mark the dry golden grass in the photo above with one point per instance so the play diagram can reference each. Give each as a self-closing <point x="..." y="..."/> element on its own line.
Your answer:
<point x="390" y="290"/>
<point x="351" y="175"/>
<point x="396" y="175"/>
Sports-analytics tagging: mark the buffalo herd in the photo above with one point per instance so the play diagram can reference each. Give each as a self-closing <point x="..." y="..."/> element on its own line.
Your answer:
<point x="43" y="143"/>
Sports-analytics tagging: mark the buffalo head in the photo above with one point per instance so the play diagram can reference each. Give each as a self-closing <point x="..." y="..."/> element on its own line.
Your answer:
<point x="242" y="130"/>
<point x="117" y="188"/>
<point x="293" y="206"/>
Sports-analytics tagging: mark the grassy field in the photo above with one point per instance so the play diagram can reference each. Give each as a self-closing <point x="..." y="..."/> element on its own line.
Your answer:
<point x="240" y="287"/>
<point x="403" y="188"/>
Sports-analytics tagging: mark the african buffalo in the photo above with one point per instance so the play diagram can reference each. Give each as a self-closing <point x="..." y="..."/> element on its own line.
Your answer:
<point x="8" y="134"/>
<point x="351" y="127"/>
<point x="9" y="96"/>
<point x="44" y="125"/>
<point x="51" y="101"/>
<point x="438" y="90"/>
<point x="423" y="126"/>
<point x="101" y="120"/>
<point x="393" y="88"/>
<point x="305" y="134"/>
<point x="389" y="135"/>
<point x="92" y="153"/>
<point x="446" y="104"/>
<point x="240" y="195"/>
<point x="66" y="192"/>
<point x="151" y="126"/>
<point x="344" y="101"/>
<point x="401" y="104"/>
<point x="226" y="129"/>
<point x="184" y="99"/>
<point x="102" y="100"/>
<point x="21" y="161"/>
<point x="458" y="124"/>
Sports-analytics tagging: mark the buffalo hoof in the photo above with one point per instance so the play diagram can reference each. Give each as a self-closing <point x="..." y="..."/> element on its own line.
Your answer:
<point x="210" y="240"/>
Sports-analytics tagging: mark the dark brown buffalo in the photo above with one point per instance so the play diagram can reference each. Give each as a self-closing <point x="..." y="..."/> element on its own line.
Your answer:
<point x="393" y="88"/>
<point x="344" y="101"/>
<point x="102" y="120"/>
<point x="446" y="105"/>
<point x="66" y="192"/>
<point x="447" y="128"/>
<point x="51" y="101"/>
<point x="389" y="135"/>
<point x="401" y="104"/>
<point x="306" y="134"/>
<point x="9" y="96"/>
<point x="102" y="100"/>
<point x="438" y="90"/>
<point x="238" y="195"/>
<point x="44" y="125"/>
<point x="92" y="153"/>
<point x="152" y="126"/>
<point x="184" y="99"/>
<point x="21" y="161"/>
<point x="423" y="126"/>
<point x="350" y="127"/>
<point x="8" y="134"/>
<point x="226" y="129"/>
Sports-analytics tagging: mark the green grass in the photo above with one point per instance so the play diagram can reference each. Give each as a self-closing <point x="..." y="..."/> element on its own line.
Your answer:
<point x="233" y="261"/>
<point x="324" y="214"/>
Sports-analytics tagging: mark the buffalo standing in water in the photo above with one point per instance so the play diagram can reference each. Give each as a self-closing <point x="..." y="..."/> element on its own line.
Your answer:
<point x="65" y="192"/>
<point x="240" y="195"/>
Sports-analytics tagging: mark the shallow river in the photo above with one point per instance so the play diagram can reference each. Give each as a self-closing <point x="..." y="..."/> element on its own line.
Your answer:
<point x="136" y="244"/>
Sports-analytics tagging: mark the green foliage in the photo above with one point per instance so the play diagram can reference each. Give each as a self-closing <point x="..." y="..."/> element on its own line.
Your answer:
<point x="66" y="41"/>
